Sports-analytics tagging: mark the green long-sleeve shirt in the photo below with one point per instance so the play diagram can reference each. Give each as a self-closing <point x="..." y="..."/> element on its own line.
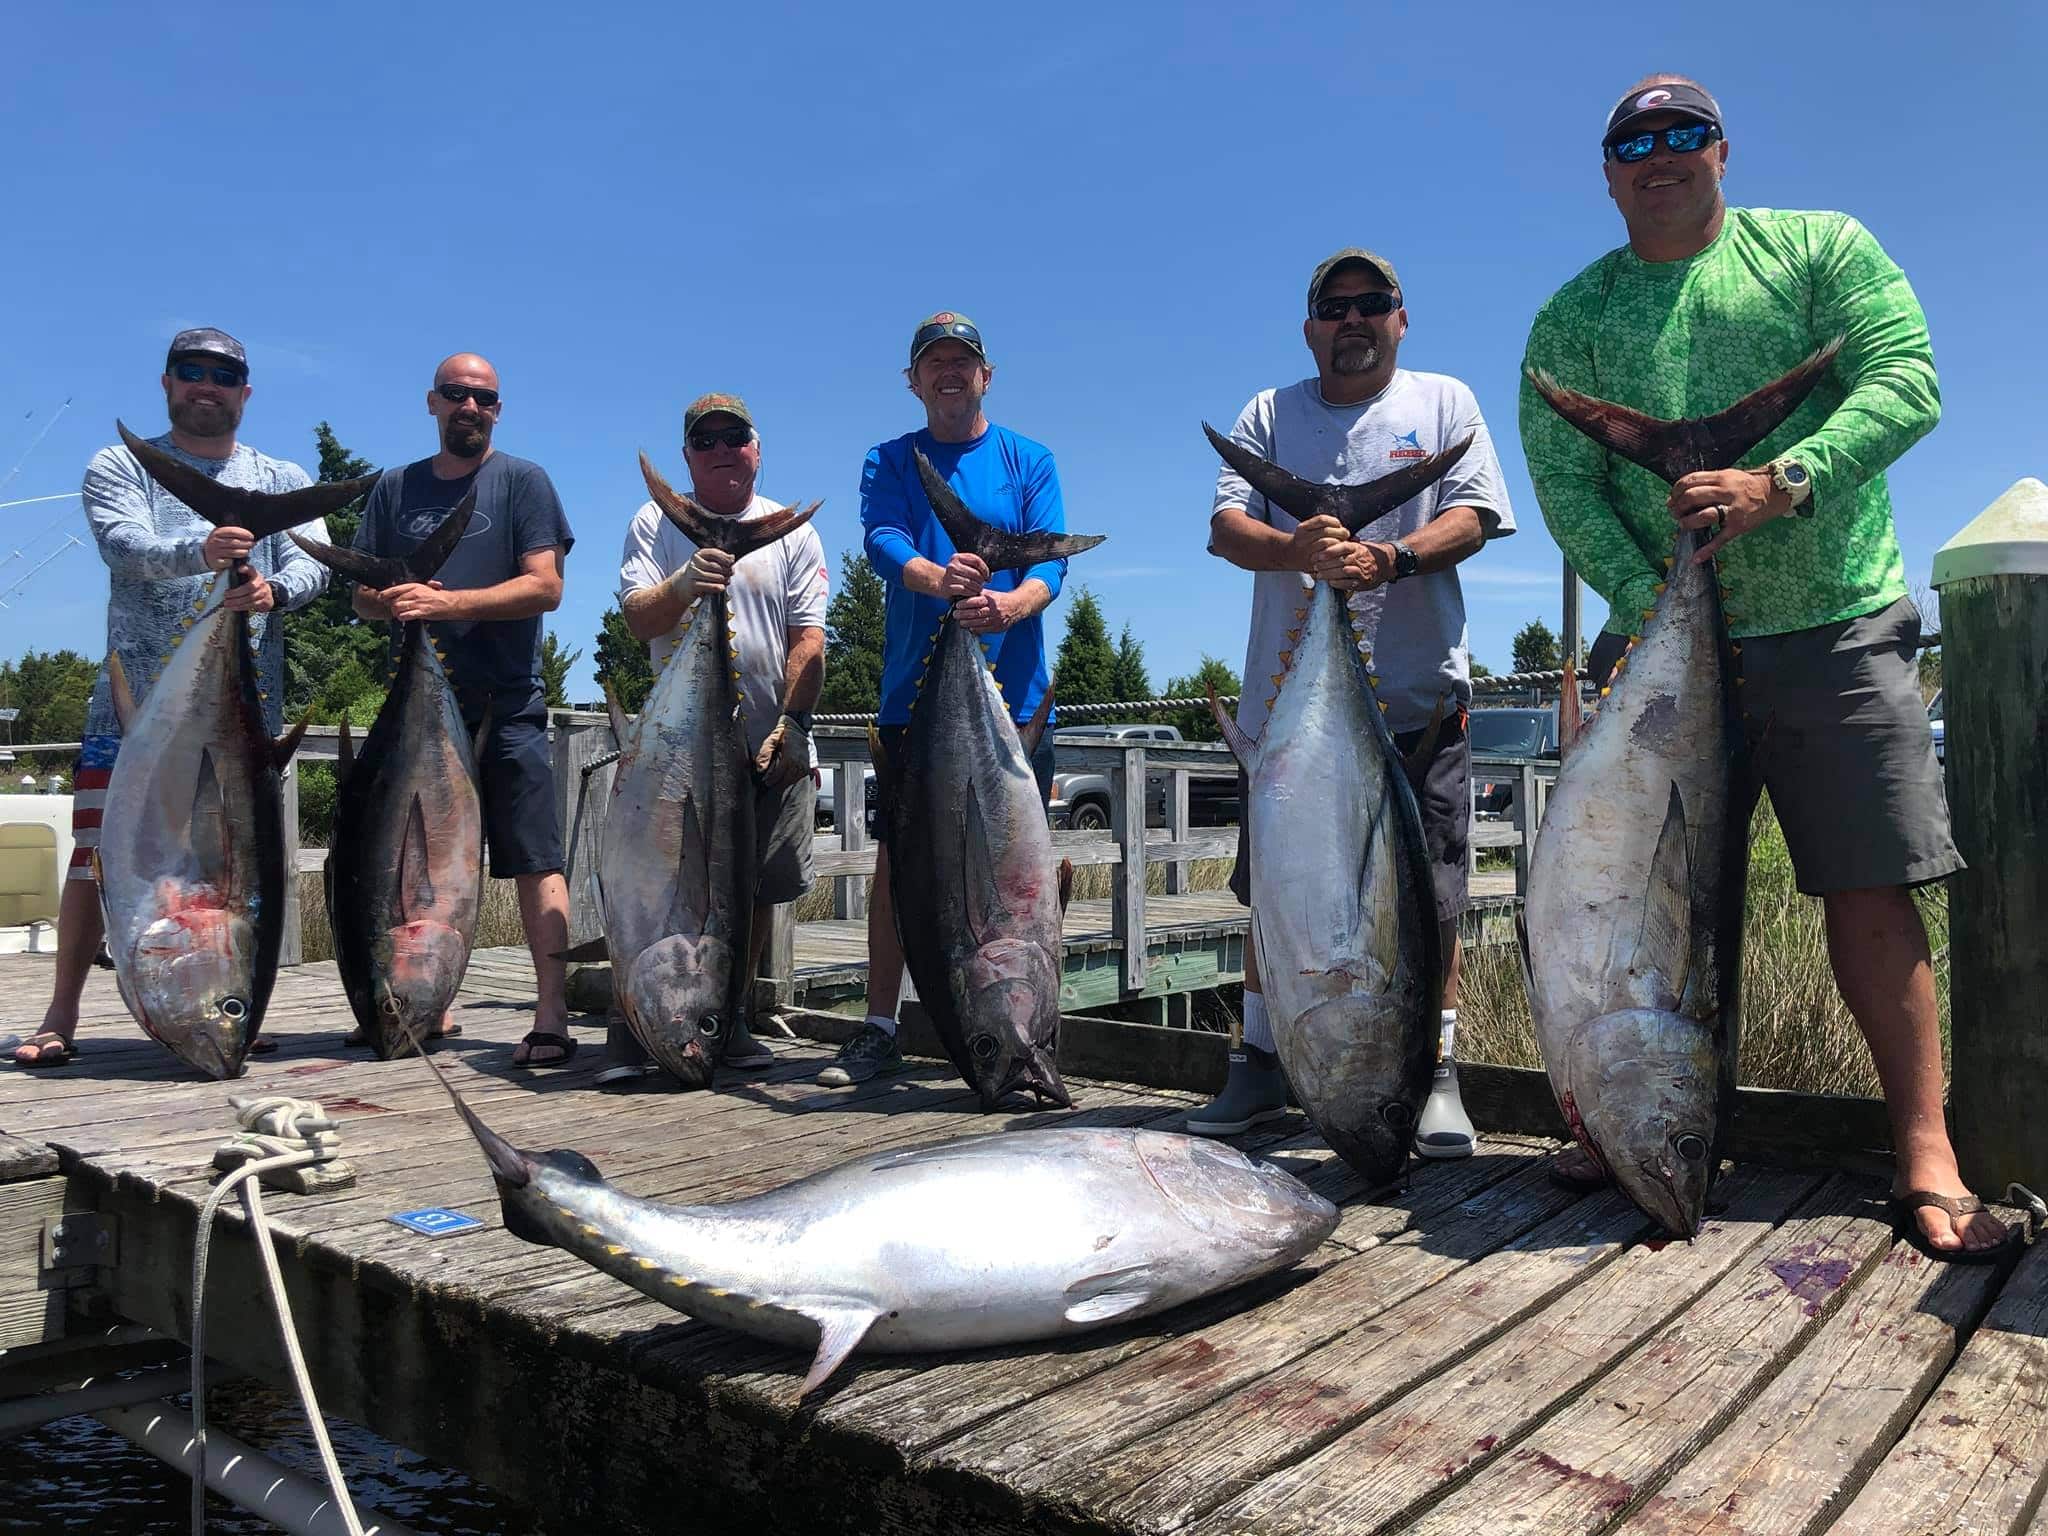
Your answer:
<point x="1689" y="338"/>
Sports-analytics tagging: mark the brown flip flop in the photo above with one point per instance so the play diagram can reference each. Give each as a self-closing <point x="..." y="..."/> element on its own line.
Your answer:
<point x="1905" y="1222"/>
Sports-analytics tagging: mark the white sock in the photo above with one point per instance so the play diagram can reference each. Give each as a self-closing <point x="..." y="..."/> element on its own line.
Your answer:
<point x="1257" y="1030"/>
<point x="1450" y="1028"/>
<point x="886" y="1023"/>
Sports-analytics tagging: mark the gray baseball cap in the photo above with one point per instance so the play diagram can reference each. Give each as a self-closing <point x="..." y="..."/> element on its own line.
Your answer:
<point x="204" y="340"/>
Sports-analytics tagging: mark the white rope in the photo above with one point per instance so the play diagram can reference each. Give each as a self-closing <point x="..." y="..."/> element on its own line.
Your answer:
<point x="277" y="1132"/>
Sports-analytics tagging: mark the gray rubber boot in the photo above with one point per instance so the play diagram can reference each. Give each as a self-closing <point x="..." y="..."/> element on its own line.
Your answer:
<point x="1255" y="1092"/>
<point x="1445" y="1130"/>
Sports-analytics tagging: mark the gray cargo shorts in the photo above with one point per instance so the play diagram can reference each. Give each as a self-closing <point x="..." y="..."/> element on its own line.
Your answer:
<point x="784" y="823"/>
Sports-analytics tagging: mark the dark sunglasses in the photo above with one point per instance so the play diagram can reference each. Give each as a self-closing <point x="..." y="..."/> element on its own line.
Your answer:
<point x="1679" y="138"/>
<point x="1371" y="305"/>
<point x="193" y="373"/>
<point x="704" y="439"/>
<point x="455" y="394"/>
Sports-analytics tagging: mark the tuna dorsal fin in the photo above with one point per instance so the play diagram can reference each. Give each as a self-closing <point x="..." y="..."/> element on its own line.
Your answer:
<point x="344" y="748"/>
<point x="1033" y="730"/>
<point x="999" y="550"/>
<point x="281" y="750"/>
<point x="875" y="751"/>
<point x="230" y="506"/>
<point x="706" y="528"/>
<point x="840" y="1330"/>
<point x="415" y="876"/>
<point x="123" y="695"/>
<point x="1352" y="505"/>
<point x="1066" y="884"/>
<point x="1663" y="946"/>
<point x="1673" y="448"/>
<point x="1571" y="718"/>
<point x="1242" y="747"/>
<point x="985" y="909"/>
<point x="692" y="900"/>
<point x="589" y="952"/>
<point x="209" y="823"/>
<point x="617" y="714"/>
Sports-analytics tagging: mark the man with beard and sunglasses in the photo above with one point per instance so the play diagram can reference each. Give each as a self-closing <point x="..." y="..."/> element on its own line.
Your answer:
<point x="161" y="556"/>
<point x="484" y="611"/>
<point x="1704" y="304"/>
<point x="777" y="597"/>
<point x="1363" y="417"/>
<point x="1009" y="481"/>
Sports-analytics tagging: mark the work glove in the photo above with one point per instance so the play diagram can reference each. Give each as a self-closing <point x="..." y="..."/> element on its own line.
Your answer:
<point x="785" y="756"/>
<point x="708" y="570"/>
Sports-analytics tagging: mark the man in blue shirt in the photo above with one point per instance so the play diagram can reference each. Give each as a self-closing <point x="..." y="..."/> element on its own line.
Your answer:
<point x="1008" y="481"/>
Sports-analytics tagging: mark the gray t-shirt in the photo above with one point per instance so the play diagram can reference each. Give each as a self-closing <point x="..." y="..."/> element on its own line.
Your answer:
<point x="1414" y="628"/>
<point x="152" y="543"/>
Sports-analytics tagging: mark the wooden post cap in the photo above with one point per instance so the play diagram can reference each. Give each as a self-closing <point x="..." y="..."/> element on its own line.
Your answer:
<point x="2008" y="538"/>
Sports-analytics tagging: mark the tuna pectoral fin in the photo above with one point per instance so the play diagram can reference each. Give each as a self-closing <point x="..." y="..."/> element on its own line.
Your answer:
<point x="999" y="549"/>
<point x="415" y="877"/>
<point x="1663" y="946"/>
<point x="262" y="513"/>
<point x="690" y="905"/>
<point x="117" y="684"/>
<point x="987" y="916"/>
<point x="1098" y="1298"/>
<point x="840" y="1330"/>
<point x="209" y="830"/>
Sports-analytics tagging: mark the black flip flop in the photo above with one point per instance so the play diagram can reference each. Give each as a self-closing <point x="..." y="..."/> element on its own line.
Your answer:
<point x="1905" y="1211"/>
<point x="63" y="1057"/>
<point x="537" y="1038"/>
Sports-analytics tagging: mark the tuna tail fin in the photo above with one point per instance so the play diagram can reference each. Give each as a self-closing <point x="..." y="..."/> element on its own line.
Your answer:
<point x="230" y="506"/>
<point x="282" y="749"/>
<point x="1352" y="505"/>
<point x="1033" y="730"/>
<point x="998" y="549"/>
<point x="511" y="1167"/>
<point x="1242" y="747"/>
<point x="1673" y="448"/>
<point x="377" y="571"/>
<point x="708" y="530"/>
<point x="123" y="695"/>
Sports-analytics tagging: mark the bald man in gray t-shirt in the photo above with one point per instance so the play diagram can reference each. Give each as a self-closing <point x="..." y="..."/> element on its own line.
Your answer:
<point x="1361" y="418"/>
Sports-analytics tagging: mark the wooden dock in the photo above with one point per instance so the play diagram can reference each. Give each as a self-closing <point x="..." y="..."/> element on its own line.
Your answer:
<point x="1477" y="1352"/>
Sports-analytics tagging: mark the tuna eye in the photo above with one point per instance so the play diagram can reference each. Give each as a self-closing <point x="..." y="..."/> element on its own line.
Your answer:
<point x="1690" y="1147"/>
<point x="1398" y="1115"/>
<point x="709" y="1025"/>
<point x="984" y="1046"/>
<point x="233" y="1009"/>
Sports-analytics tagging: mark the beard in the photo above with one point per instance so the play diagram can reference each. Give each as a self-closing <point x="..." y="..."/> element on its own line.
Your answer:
<point x="206" y="418"/>
<point x="1355" y="354"/>
<point x="466" y="437"/>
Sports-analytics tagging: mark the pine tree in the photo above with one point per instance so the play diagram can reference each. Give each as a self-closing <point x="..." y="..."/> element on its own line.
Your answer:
<point x="1130" y="680"/>
<point x="854" y="623"/>
<point x="1198" y="724"/>
<point x="555" y="663"/>
<point x="334" y="663"/>
<point x="622" y="662"/>
<point x="1537" y="649"/>
<point x="1085" y="672"/>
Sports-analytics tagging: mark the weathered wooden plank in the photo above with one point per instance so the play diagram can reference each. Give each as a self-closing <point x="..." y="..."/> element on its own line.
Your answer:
<point x="1600" y="1456"/>
<point x="1976" y="1454"/>
<point x="21" y="1159"/>
<point x="31" y="1301"/>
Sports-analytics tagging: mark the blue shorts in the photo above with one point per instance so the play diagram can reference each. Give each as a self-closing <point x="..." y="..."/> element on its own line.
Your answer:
<point x="894" y="738"/>
<point x="522" y="825"/>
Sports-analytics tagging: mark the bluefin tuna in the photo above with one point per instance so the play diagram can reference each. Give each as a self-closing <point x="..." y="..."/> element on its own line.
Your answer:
<point x="1632" y="925"/>
<point x="404" y="875"/>
<point x="978" y="893"/>
<point x="984" y="1240"/>
<point x="191" y="862"/>
<point x="1343" y="901"/>
<point x="676" y="867"/>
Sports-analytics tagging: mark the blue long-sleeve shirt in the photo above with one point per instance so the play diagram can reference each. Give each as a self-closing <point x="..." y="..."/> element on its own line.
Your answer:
<point x="1007" y="481"/>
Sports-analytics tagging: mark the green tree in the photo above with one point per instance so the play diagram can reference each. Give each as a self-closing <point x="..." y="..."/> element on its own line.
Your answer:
<point x="555" y="663"/>
<point x="1480" y="668"/>
<point x="50" y="690"/>
<point x="1198" y="724"/>
<point x="334" y="663"/>
<point x="1537" y="649"/>
<point x="1130" y="680"/>
<point x="1085" y="671"/>
<point x="854" y="621"/>
<point x="622" y="662"/>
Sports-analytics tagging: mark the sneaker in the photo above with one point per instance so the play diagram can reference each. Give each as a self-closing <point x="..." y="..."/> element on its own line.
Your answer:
<point x="1445" y="1130"/>
<point x="1255" y="1092"/>
<point x="742" y="1050"/>
<point x="868" y="1054"/>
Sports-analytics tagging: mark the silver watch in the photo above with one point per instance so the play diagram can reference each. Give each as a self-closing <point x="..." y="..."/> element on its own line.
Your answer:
<point x="1790" y="476"/>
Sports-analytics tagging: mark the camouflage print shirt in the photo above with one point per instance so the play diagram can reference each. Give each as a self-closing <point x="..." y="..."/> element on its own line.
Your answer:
<point x="1689" y="338"/>
<point x="156" y="573"/>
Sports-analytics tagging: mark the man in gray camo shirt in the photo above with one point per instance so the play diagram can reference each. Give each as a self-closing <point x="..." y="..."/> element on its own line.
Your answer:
<point x="160" y="557"/>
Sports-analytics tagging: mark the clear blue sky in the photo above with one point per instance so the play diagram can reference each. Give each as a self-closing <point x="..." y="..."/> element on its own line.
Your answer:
<point x="623" y="210"/>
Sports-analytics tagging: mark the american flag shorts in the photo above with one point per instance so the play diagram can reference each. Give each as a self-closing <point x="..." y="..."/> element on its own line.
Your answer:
<point x="88" y="799"/>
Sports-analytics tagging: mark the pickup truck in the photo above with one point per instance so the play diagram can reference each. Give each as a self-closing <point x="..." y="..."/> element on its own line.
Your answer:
<point x="1507" y="733"/>
<point x="1081" y="799"/>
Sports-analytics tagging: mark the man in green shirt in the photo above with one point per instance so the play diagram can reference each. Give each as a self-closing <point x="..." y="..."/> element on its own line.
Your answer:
<point x="1704" y="304"/>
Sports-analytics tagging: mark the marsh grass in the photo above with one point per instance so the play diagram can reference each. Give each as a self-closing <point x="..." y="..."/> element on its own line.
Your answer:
<point x="497" y="920"/>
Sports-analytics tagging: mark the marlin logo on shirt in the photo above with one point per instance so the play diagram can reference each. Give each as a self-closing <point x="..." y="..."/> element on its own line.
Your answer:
<point x="1406" y="447"/>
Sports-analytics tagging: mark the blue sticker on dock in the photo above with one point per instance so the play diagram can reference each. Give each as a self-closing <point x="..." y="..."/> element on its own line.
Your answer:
<point x="436" y="1221"/>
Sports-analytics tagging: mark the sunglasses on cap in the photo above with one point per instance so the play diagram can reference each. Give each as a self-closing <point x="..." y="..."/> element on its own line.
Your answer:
<point x="456" y="394"/>
<point x="941" y="330"/>
<point x="1679" y="138"/>
<point x="193" y="373"/>
<point x="704" y="439"/>
<point x="1371" y="305"/>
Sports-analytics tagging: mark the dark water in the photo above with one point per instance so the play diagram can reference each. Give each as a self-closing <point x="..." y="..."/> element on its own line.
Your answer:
<point x="78" y="1475"/>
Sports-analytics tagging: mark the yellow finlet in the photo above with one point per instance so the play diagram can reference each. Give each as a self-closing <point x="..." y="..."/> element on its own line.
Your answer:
<point x="1287" y="658"/>
<point x="613" y="1250"/>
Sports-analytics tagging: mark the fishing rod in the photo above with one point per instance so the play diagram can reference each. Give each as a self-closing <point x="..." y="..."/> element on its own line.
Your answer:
<point x="8" y="479"/>
<point x="30" y="574"/>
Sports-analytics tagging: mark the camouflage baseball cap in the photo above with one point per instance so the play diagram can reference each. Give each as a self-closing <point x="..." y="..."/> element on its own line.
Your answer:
<point x="715" y="405"/>
<point x="1352" y="255"/>
<point x="946" y="325"/>
<point x="205" y="341"/>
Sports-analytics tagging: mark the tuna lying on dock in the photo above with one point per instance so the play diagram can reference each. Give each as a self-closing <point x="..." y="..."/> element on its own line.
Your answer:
<point x="676" y="870"/>
<point x="983" y="1240"/>
<point x="191" y="862"/>
<point x="405" y="873"/>
<point x="1343" y="904"/>
<point x="977" y="890"/>
<point x="1632" y="929"/>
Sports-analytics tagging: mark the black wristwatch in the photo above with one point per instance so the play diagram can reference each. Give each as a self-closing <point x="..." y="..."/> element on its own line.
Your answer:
<point x="1406" y="561"/>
